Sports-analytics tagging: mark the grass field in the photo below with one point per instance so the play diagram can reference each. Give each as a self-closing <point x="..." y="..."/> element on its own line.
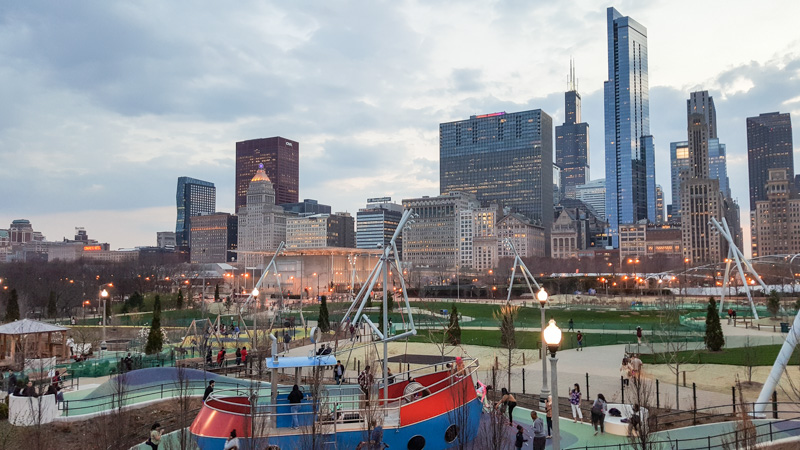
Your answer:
<point x="761" y="355"/>
<point x="526" y="339"/>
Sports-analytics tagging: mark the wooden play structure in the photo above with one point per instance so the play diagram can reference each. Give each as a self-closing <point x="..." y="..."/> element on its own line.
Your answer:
<point x="26" y="339"/>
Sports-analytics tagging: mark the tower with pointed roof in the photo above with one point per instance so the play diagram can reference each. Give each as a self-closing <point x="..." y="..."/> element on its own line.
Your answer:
<point x="572" y="139"/>
<point x="262" y="224"/>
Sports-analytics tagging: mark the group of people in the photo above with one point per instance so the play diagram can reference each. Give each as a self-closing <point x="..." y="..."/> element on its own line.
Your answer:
<point x="241" y="356"/>
<point x="631" y="368"/>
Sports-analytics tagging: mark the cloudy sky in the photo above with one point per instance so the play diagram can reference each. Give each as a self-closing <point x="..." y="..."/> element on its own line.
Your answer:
<point x="105" y="104"/>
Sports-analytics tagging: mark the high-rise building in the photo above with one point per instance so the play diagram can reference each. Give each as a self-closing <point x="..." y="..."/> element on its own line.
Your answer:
<point x="501" y="158"/>
<point x="777" y="219"/>
<point x="660" y="213"/>
<point x="165" y="239"/>
<point x="341" y="230"/>
<point x="630" y="152"/>
<point x="478" y="237"/>
<point x="718" y="166"/>
<point x="281" y="160"/>
<point x="769" y="146"/>
<point x="701" y="197"/>
<point x="213" y="238"/>
<point x="572" y="139"/>
<point x="262" y="224"/>
<point x="376" y="224"/>
<point x="593" y="193"/>
<point x="679" y="163"/>
<point x="194" y="197"/>
<point x="433" y="239"/>
<point x="320" y="230"/>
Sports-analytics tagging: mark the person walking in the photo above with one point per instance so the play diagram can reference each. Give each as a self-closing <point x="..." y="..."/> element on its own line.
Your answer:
<point x="238" y="356"/>
<point x="539" y="436"/>
<point x="233" y="442"/>
<point x="571" y="325"/>
<point x="520" y="439"/>
<point x="338" y="372"/>
<point x="244" y="355"/>
<point x="352" y="332"/>
<point x="286" y="340"/>
<point x="639" y="335"/>
<point x="155" y="436"/>
<point x="508" y="401"/>
<point x="636" y="366"/>
<point x="295" y="398"/>
<point x="599" y="411"/>
<point x="548" y="406"/>
<point x="575" y="403"/>
<point x="579" y="337"/>
<point x="220" y="356"/>
<point x="365" y="380"/>
<point x="209" y="390"/>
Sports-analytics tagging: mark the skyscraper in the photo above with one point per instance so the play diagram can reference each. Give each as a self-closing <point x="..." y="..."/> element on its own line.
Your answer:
<point x="679" y="163"/>
<point x="281" y="160"/>
<point x="214" y="238"/>
<point x="377" y="223"/>
<point x="630" y="154"/>
<point x="194" y="197"/>
<point x="501" y="158"/>
<point x="262" y="224"/>
<point x="700" y="194"/>
<point x="769" y="146"/>
<point x="572" y="139"/>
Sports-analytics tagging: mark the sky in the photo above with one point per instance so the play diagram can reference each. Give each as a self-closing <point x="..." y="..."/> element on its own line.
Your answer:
<point x="106" y="104"/>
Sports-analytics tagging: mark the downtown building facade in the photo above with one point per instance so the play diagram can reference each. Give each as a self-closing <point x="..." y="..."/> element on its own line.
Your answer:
<point x="777" y="219"/>
<point x="572" y="140"/>
<point x="320" y="231"/>
<point x="700" y="195"/>
<point x="501" y="158"/>
<point x="377" y="222"/>
<point x="629" y="148"/>
<point x="769" y="146"/>
<point x="262" y="224"/>
<point x="593" y="194"/>
<point x="281" y="160"/>
<point x="528" y="237"/>
<point x="214" y="238"/>
<point x="194" y="197"/>
<point x="478" y="237"/>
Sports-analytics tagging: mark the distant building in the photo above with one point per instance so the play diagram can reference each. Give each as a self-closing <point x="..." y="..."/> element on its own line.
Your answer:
<point x="593" y="194"/>
<point x="262" y="224"/>
<point x="777" y="219"/>
<point x="557" y="188"/>
<point x="281" y="160"/>
<point x="478" y="237"/>
<point x="194" y="197"/>
<point x="679" y="163"/>
<point x="660" y="213"/>
<point x="214" y="238"/>
<point x="165" y="239"/>
<point x="528" y="238"/>
<point x="432" y="240"/>
<point x="307" y="207"/>
<point x="632" y="241"/>
<point x="664" y="241"/>
<point x="319" y="231"/>
<point x="501" y="158"/>
<point x="21" y="231"/>
<point x="376" y="224"/>
<point x="565" y="237"/>
<point x="630" y="152"/>
<point x="572" y="140"/>
<point x="769" y="146"/>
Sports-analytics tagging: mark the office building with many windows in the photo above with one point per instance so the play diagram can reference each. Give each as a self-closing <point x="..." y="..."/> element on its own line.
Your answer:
<point x="214" y="238"/>
<point x="281" y="160"/>
<point x="501" y="158"/>
<point x="572" y="140"/>
<point x="376" y="224"/>
<point x="769" y="146"/>
<point x="630" y="152"/>
<point x="262" y="223"/>
<point x="194" y="197"/>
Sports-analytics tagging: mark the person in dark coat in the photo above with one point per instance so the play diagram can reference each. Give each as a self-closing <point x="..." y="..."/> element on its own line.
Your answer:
<point x="295" y="398"/>
<point x="12" y="382"/>
<point x="29" y="390"/>
<point x="520" y="439"/>
<point x="209" y="390"/>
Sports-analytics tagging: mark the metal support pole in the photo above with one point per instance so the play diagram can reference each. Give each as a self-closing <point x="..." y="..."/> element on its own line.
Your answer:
<point x="658" y="400"/>
<point x="545" y="388"/>
<point x="733" y="398"/>
<point x="587" y="386"/>
<point x="523" y="380"/>
<point x="774" y="405"/>
<point x="556" y="416"/>
<point x="622" y="387"/>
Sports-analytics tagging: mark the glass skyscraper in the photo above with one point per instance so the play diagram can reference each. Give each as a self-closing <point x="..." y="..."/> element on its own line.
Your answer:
<point x="501" y="158"/>
<point x="630" y="153"/>
<point x="194" y="197"/>
<point x="769" y="146"/>
<point x="572" y="140"/>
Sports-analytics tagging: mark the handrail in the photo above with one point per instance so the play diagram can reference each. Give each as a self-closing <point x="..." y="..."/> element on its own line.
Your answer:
<point x="710" y="437"/>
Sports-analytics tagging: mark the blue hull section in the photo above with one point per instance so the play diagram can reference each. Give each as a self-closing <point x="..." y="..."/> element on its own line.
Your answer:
<point x="431" y="430"/>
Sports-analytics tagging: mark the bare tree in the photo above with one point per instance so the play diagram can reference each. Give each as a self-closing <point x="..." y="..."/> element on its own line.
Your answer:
<point x="675" y="345"/>
<point x="642" y="424"/>
<point x="745" y="434"/>
<point x="461" y="421"/>
<point x="507" y="315"/>
<point x="185" y="414"/>
<point x="750" y="354"/>
<point x="112" y="428"/>
<point x="493" y="434"/>
<point x="316" y="426"/>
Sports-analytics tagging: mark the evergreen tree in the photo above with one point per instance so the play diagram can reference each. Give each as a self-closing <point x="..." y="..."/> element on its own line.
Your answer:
<point x="179" y="300"/>
<point x="216" y="293"/>
<point x="369" y="301"/>
<point x="390" y="299"/>
<point x="324" y="322"/>
<point x="713" y="339"/>
<point x="774" y="303"/>
<point x="454" y="330"/>
<point x="135" y="301"/>
<point x="12" y="310"/>
<point x="155" y="340"/>
<point x="52" y="305"/>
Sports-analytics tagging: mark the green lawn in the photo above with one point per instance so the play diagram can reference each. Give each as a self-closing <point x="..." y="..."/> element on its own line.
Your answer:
<point x="527" y="339"/>
<point x="761" y="355"/>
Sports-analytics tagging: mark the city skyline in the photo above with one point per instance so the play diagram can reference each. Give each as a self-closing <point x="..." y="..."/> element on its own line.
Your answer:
<point x="115" y="97"/>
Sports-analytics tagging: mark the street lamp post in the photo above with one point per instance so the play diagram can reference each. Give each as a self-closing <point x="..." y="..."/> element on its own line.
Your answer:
<point x="552" y="336"/>
<point x="317" y="275"/>
<point x="104" y="296"/>
<point x="542" y="297"/>
<point x="255" y="318"/>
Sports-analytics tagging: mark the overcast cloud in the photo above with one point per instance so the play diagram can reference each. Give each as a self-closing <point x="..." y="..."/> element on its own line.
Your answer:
<point x="105" y="104"/>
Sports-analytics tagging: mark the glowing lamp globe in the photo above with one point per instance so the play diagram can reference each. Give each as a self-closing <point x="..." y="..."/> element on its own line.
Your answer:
<point x="552" y="337"/>
<point x="542" y="296"/>
<point x="255" y="292"/>
<point x="104" y="293"/>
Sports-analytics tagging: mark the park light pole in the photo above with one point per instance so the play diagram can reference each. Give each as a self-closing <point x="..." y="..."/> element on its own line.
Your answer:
<point x="317" y="275"/>
<point x="685" y="261"/>
<point x="104" y="296"/>
<point x="552" y="336"/>
<point x="255" y="293"/>
<point x="542" y="297"/>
